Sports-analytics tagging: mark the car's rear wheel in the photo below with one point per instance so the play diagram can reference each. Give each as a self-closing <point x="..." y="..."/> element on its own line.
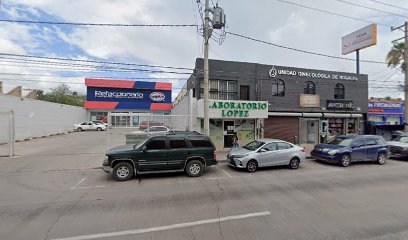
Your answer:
<point x="79" y="129"/>
<point x="294" y="163"/>
<point x="382" y="158"/>
<point x="345" y="160"/>
<point x="194" y="168"/>
<point x="123" y="171"/>
<point x="252" y="166"/>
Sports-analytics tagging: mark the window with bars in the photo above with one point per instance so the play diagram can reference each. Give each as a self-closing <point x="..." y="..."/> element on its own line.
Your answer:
<point x="221" y="90"/>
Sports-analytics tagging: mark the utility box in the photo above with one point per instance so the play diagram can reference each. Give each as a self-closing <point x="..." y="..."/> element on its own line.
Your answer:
<point x="218" y="21"/>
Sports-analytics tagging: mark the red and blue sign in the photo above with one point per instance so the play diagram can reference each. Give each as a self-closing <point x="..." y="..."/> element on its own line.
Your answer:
<point x="122" y="94"/>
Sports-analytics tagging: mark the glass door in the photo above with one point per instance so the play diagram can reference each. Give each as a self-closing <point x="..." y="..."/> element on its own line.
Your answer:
<point x="229" y="129"/>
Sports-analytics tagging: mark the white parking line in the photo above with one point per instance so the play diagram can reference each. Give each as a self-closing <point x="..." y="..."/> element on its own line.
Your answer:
<point x="168" y="227"/>
<point x="226" y="173"/>
<point x="76" y="185"/>
<point x="90" y="187"/>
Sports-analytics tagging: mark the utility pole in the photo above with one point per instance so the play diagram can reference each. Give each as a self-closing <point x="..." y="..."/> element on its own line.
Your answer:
<point x="218" y="22"/>
<point x="206" y="70"/>
<point x="405" y="71"/>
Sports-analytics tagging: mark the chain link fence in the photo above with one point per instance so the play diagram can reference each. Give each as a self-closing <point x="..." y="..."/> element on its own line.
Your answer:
<point x="7" y="133"/>
<point x="132" y="128"/>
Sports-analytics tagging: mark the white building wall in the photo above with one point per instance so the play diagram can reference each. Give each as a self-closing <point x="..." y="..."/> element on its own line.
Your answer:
<point x="186" y="106"/>
<point x="35" y="118"/>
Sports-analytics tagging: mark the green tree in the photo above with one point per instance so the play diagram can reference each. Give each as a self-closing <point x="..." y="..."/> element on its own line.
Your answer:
<point x="64" y="95"/>
<point x="395" y="56"/>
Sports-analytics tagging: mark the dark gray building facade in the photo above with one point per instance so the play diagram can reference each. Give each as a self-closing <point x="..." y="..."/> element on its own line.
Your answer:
<point x="305" y="105"/>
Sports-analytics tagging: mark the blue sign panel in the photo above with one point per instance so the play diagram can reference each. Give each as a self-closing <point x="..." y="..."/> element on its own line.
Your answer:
<point x="123" y="95"/>
<point x="384" y="107"/>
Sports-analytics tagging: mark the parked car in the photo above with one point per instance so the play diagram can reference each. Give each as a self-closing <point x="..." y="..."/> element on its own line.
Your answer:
<point x="147" y="124"/>
<point x="168" y="153"/>
<point x="346" y="149"/>
<point x="264" y="153"/>
<point x="100" y="122"/>
<point x="89" y="126"/>
<point x="138" y="136"/>
<point x="396" y="134"/>
<point x="399" y="146"/>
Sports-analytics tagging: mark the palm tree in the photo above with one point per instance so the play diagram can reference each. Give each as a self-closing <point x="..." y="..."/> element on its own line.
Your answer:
<point x="395" y="56"/>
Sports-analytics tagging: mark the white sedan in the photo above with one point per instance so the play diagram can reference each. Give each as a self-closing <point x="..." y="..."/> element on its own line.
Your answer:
<point x="89" y="126"/>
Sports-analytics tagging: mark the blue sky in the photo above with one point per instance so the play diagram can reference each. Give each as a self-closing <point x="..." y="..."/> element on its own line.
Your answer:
<point x="268" y="20"/>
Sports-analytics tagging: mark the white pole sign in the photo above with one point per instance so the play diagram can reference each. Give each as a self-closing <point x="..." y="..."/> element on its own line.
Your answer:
<point x="359" y="39"/>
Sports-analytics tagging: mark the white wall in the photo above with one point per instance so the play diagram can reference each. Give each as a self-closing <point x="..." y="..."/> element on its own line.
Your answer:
<point x="35" y="118"/>
<point x="183" y="108"/>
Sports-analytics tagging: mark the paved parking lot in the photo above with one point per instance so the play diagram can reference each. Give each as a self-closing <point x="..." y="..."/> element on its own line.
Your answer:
<point x="55" y="189"/>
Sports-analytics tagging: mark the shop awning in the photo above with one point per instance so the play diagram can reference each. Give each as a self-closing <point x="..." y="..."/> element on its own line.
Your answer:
<point x="317" y="114"/>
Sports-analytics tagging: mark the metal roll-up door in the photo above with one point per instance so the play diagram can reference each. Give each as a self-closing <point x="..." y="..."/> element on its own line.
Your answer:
<point x="284" y="128"/>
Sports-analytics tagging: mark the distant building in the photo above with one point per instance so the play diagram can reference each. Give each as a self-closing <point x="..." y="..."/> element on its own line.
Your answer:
<point x="105" y="96"/>
<point x="383" y="112"/>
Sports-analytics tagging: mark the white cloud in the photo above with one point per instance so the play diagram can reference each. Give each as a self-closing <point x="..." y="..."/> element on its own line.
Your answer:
<point x="294" y="27"/>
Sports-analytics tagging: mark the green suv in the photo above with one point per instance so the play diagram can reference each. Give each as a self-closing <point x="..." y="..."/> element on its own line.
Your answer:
<point x="169" y="153"/>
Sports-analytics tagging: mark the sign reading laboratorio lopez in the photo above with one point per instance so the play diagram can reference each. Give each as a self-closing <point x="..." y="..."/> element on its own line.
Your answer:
<point x="235" y="109"/>
<point x="359" y="39"/>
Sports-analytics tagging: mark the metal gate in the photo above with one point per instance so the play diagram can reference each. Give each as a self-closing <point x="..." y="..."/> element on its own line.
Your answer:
<point x="308" y="131"/>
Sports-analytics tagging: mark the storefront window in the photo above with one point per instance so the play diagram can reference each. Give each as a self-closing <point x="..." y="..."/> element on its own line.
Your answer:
<point x="335" y="126"/>
<point x="309" y="88"/>
<point x="278" y="88"/>
<point x="339" y="91"/>
<point x="99" y="116"/>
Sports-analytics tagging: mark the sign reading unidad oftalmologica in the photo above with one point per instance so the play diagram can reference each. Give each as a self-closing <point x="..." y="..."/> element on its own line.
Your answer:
<point x="238" y="109"/>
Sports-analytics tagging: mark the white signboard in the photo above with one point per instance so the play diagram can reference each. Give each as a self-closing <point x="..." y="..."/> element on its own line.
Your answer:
<point x="309" y="101"/>
<point x="359" y="39"/>
<point x="220" y="109"/>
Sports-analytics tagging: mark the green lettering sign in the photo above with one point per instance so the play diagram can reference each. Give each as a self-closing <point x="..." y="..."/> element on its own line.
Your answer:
<point x="237" y="109"/>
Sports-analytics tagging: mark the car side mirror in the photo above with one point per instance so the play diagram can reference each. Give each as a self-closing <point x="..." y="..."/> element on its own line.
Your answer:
<point x="144" y="148"/>
<point x="262" y="150"/>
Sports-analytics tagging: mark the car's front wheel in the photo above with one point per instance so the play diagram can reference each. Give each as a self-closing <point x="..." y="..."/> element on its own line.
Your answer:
<point x="382" y="158"/>
<point x="98" y="129"/>
<point x="123" y="171"/>
<point x="195" y="168"/>
<point x="252" y="166"/>
<point x="79" y="129"/>
<point x="345" y="160"/>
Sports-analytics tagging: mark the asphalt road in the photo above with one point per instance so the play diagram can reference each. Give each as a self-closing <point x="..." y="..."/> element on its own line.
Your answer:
<point x="55" y="190"/>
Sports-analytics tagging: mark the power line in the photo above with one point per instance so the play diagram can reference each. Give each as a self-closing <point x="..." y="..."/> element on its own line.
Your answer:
<point x="333" y="13"/>
<point x="99" y="77"/>
<point x="97" y="24"/>
<point x="90" y="67"/>
<point x="54" y="82"/>
<point x="91" y="61"/>
<point x="388" y="4"/>
<point x="300" y="50"/>
<point x="371" y="8"/>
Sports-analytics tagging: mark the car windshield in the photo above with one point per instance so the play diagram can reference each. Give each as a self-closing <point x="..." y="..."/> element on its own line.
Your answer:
<point x="345" y="142"/>
<point x="403" y="139"/>
<point x="137" y="146"/>
<point x="253" y="145"/>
